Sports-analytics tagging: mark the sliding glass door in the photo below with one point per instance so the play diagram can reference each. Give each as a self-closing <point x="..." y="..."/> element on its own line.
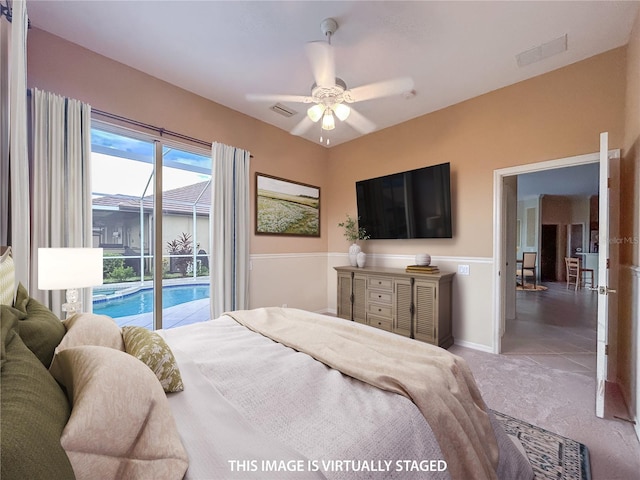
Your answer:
<point x="155" y="272"/>
<point x="186" y="249"/>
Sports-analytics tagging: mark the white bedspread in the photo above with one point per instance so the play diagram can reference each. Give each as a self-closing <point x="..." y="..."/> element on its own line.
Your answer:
<point x="295" y="415"/>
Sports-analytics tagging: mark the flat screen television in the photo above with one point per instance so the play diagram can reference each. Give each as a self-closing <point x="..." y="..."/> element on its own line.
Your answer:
<point x="411" y="204"/>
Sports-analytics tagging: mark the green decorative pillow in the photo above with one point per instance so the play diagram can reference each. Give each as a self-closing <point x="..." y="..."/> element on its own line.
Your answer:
<point x="33" y="414"/>
<point x="151" y="349"/>
<point x="40" y="329"/>
<point x="9" y="318"/>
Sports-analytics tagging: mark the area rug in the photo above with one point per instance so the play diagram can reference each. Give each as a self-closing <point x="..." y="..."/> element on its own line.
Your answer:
<point x="552" y="456"/>
<point x="529" y="287"/>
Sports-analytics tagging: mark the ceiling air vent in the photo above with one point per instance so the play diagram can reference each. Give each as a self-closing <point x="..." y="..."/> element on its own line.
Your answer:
<point x="282" y="110"/>
<point x="543" y="51"/>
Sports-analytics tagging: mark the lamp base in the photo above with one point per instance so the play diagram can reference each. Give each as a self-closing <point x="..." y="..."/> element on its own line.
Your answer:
<point x="72" y="308"/>
<point x="73" y="304"/>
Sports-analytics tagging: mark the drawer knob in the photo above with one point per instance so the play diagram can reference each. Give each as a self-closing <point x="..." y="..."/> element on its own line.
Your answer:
<point x="379" y="309"/>
<point x="379" y="296"/>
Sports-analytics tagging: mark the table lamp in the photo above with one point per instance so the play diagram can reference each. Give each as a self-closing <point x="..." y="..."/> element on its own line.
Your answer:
<point x="69" y="269"/>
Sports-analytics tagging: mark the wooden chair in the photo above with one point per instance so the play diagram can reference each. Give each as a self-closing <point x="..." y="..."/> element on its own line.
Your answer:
<point x="573" y="271"/>
<point x="528" y="268"/>
<point x="583" y="277"/>
<point x="577" y="275"/>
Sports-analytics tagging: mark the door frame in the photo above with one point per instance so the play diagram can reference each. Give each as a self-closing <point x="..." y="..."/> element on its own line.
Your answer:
<point x="500" y="248"/>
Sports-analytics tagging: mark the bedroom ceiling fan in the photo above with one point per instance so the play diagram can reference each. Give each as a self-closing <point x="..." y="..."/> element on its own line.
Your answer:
<point x="329" y="94"/>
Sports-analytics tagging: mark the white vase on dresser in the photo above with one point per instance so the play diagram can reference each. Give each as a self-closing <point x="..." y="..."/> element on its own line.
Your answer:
<point x="354" y="250"/>
<point x="361" y="259"/>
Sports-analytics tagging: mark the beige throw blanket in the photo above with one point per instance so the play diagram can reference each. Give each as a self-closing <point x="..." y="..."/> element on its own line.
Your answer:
<point x="439" y="383"/>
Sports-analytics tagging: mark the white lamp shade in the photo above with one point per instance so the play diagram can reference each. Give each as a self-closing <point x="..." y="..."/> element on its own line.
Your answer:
<point x="342" y="111"/>
<point x="315" y="112"/>
<point x="328" y="122"/>
<point x="63" y="268"/>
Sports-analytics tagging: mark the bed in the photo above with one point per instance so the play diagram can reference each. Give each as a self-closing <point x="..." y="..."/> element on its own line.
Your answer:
<point x="257" y="394"/>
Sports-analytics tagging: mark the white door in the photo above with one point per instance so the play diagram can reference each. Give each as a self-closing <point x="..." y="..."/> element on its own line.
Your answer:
<point x="603" y="275"/>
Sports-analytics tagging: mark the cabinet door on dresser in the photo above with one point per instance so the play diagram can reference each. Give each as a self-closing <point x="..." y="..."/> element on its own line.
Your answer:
<point x="344" y="295"/>
<point x="352" y="294"/>
<point x="402" y="307"/>
<point x="360" y="298"/>
<point x="426" y="311"/>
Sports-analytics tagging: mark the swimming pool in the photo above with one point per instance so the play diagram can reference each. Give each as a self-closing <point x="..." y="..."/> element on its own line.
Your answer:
<point x="141" y="301"/>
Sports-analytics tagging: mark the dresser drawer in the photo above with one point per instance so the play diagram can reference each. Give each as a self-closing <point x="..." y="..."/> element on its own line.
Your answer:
<point x="380" y="297"/>
<point x="380" y="322"/>
<point x="380" y="283"/>
<point x="379" y="309"/>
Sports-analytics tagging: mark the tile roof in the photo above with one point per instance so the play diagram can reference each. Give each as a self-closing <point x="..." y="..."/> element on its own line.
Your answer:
<point x="178" y="201"/>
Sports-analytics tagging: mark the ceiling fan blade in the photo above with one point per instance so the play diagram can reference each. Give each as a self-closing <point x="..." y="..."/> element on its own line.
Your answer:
<point x="274" y="97"/>
<point x="395" y="86"/>
<point x="305" y="124"/>
<point x="362" y="124"/>
<point x="322" y="62"/>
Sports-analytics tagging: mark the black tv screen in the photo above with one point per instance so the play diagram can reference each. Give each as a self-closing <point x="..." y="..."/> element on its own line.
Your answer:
<point x="412" y="204"/>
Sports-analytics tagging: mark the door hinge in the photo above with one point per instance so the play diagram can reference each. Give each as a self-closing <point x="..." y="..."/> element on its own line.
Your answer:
<point x="606" y="349"/>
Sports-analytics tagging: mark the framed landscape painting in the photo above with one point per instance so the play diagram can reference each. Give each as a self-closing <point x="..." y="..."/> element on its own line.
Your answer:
<point x="284" y="207"/>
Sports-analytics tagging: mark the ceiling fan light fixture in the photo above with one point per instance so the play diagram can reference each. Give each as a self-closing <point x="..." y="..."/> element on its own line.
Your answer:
<point x="328" y="122"/>
<point x="342" y="111"/>
<point x="315" y="113"/>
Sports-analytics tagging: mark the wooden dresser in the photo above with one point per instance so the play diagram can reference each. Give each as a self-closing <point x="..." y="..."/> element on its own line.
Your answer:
<point x="415" y="305"/>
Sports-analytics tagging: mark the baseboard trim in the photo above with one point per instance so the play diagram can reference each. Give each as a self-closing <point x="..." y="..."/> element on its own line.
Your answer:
<point x="635" y="269"/>
<point x="474" y="346"/>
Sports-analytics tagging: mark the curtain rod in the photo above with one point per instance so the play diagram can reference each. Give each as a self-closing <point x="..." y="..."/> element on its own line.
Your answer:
<point x="137" y="123"/>
<point x="160" y="130"/>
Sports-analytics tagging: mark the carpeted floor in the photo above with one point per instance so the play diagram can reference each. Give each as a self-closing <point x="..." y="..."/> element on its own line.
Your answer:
<point x="558" y="401"/>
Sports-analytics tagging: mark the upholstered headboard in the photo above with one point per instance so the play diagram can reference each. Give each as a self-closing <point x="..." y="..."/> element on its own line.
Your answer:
<point x="7" y="277"/>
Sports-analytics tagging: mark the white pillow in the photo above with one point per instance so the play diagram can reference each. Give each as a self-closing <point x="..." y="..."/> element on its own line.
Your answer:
<point x="91" y="329"/>
<point x="121" y="424"/>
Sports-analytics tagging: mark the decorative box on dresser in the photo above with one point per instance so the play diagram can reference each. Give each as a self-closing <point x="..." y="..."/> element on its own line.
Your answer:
<point x="416" y="305"/>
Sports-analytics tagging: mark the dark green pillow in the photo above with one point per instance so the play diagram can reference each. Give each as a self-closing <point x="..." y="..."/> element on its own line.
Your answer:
<point x="8" y="325"/>
<point x="33" y="413"/>
<point x="40" y="329"/>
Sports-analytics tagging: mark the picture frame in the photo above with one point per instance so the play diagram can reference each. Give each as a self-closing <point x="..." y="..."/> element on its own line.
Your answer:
<point x="286" y="207"/>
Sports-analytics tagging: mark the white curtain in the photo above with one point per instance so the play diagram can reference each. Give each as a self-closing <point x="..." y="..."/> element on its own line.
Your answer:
<point x="14" y="165"/>
<point x="61" y="182"/>
<point x="230" y="229"/>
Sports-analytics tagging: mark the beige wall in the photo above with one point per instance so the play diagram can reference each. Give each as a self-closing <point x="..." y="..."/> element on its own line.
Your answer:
<point x="628" y="360"/>
<point x="552" y="116"/>
<point x="67" y="69"/>
<point x="555" y="115"/>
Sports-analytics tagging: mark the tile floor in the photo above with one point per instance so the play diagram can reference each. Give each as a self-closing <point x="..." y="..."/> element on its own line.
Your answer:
<point x="554" y="328"/>
<point x="176" y="316"/>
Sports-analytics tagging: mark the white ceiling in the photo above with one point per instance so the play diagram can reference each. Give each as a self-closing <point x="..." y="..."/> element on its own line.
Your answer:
<point x="223" y="50"/>
<point x="580" y="180"/>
